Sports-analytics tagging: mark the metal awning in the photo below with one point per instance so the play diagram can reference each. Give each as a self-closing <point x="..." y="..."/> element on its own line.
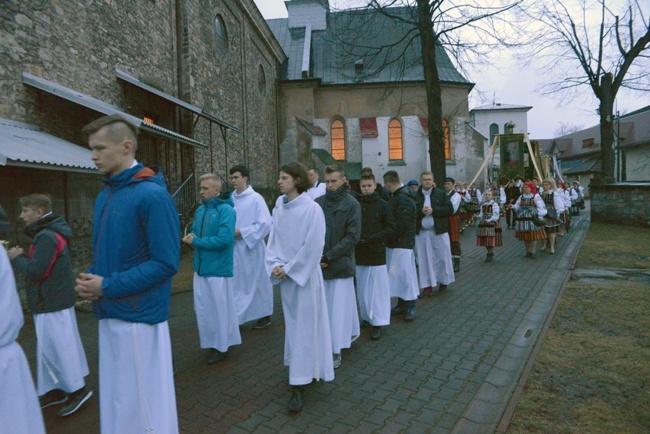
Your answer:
<point x="194" y="109"/>
<point x="105" y="108"/>
<point x="24" y="145"/>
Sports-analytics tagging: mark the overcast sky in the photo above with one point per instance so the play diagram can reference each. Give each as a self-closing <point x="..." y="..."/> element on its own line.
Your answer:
<point x="509" y="84"/>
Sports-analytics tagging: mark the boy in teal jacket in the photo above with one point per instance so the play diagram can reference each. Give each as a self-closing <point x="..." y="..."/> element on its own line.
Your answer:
<point x="213" y="238"/>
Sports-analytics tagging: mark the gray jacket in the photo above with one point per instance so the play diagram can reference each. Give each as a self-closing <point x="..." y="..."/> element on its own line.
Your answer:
<point x="343" y="223"/>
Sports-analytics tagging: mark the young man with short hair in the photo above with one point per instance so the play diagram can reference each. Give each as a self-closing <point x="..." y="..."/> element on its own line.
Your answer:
<point x="293" y="257"/>
<point x="343" y="229"/>
<point x="213" y="239"/>
<point x="377" y="224"/>
<point x="136" y="252"/>
<point x="252" y="287"/>
<point x="60" y="358"/>
<point x="432" y="239"/>
<point x="400" y="259"/>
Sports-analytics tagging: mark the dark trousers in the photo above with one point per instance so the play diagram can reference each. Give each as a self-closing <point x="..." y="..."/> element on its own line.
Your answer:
<point x="455" y="248"/>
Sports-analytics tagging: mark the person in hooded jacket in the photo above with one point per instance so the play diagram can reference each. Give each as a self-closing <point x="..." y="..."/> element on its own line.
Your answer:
<point x="213" y="238"/>
<point x="60" y="358"/>
<point x="400" y="259"/>
<point x="135" y="254"/>
<point x="377" y="224"/>
<point x="20" y="411"/>
<point x="342" y="232"/>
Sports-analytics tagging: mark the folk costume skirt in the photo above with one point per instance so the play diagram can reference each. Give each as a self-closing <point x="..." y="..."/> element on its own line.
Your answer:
<point x="489" y="234"/>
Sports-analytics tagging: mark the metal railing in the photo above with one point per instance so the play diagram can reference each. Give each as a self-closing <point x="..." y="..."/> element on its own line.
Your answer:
<point x="185" y="197"/>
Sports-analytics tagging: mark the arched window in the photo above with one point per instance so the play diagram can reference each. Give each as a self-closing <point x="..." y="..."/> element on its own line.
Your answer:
<point x="337" y="134"/>
<point x="494" y="131"/>
<point x="445" y="132"/>
<point x="395" y="142"/>
<point x="220" y="34"/>
<point x="508" y="128"/>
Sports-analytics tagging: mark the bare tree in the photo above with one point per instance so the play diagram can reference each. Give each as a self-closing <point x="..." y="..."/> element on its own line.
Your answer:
<point x="564" y="128"/>
<point x="424" y="26"/>
<point x="597" y="43"/>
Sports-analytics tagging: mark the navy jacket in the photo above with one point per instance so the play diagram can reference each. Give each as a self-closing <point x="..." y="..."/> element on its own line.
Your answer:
<point x="343" y="230"/>
<point x="442" y="210"/>
<point x="49" y="282"/>
<point x="136" y="246"/>
<point x="402" y="206"/>
<point x="214" y="227"/>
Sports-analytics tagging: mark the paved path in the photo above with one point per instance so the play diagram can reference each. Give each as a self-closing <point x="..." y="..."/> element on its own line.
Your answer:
<point x="452" y="370"/>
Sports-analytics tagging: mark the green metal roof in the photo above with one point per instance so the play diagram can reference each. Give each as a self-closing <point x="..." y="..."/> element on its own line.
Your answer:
<point x="359" y="36"/>
<point x="352" y="170"/>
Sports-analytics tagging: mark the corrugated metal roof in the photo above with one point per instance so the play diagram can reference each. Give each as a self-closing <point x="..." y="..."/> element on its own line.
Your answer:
<point x="103" y="107"/>
<point x="179" y="102"/>
<point x="25" y="143"/>
<point x="360" y="37"/>
<point x="590" y="165"/>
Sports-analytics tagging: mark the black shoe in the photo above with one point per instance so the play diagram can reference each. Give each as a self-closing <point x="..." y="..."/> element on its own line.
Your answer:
<point x="489" y="257"/>
<point x="364" y="323"/>
<point x="53" y="397"/>
<point x="262" y="322"/>
<point x="442" y="288"/>
<point x="456" y="262"/>
<point x="410" y="314"/>
<point x="376" y="333"/>
<point x="295" y="404"/>
<point x="397" y="310"/>
<point x="532" y="256"/>
<point x="76" y="400"/>
<point x="216" y="356"/>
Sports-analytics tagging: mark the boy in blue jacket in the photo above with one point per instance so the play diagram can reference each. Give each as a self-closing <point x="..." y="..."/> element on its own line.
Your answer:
<point x="136" y="252"/>
<point x="213" y="239"/>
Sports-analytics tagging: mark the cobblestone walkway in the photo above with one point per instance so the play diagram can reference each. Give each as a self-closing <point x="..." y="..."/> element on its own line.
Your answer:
<point x="452" y="370"/>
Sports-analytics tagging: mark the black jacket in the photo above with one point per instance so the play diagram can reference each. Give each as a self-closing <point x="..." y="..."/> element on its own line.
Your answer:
<point x="343" y="230"/>
<point x="442" y="210"/>
<point x="56" y="291"/>
<point x="376" y="225"/>
<point x="402" y="206"/>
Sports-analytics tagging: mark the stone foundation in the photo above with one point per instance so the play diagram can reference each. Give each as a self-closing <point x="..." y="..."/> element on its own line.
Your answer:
<point x="621" y="203"/>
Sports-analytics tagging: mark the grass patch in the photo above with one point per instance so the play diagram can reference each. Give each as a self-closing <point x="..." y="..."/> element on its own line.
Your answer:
<point x="592" y="374"/>
<point x="613" y="246"/>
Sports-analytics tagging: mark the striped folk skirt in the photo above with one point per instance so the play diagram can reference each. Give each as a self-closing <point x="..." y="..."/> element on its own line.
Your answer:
<point x="489" y="234"/>
<point x="525" y="229"/>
